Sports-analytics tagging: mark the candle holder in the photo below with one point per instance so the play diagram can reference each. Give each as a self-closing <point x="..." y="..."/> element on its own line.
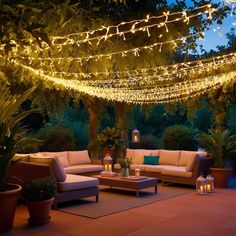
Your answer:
<point x="209" y="184"/>
<point x="201" y="185"/>
<point x="107" y="163"/>
<point x="137" y="172"/>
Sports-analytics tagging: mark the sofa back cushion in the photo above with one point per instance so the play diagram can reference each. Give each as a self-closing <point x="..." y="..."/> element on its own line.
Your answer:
<point x="79" y="157"/>
<point x="191" y="163"/>
<point x="185" y="156"/>
<point x="57" y="168"/>
<point x="169" y="157"/>
<point x="62" y="156"/>
<point x="155" y="152"/>
<point x="137" y="155"/>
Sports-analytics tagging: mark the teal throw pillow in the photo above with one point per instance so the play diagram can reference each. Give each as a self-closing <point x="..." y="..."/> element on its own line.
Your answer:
<point x="151" y="160"/>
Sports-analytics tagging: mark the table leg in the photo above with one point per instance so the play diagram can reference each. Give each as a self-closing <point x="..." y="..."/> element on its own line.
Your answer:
<point x="156" y="189"/>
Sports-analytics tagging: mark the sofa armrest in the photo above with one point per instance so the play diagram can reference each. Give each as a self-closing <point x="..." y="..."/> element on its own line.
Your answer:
<point x="96" y="162"/>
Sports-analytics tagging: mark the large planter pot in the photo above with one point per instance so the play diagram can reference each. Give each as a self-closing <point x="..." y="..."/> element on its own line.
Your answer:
<point x="39" y="211"/>
<point x="8" y="203"/>
<point x="221" y="176"/>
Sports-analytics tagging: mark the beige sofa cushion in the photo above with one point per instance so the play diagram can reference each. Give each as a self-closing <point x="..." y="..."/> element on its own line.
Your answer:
<point x="137" y="155"/>
<point x="132" y="167"/>
<point x="74" y="182"/>
<point x="79" y="157"/>
<point x="57" y="169"/>
<point x="155" y="152"/>
<point x="168" y="157"/>
<point x="62" y="156"/>
<point x="191" y="163"/>
<point x="185" y="156"/>
<point x="81" y="169"/>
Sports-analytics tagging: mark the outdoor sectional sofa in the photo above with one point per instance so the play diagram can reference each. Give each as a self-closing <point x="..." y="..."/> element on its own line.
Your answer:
<point x="63" y="167"/>
<point x="174" y="166"/>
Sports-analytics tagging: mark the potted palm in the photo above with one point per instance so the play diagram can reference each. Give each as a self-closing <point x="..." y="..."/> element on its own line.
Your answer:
<point x="12" y="140"/>
<point x="109" y="141"/>
<point x="39" y="196"/>
<point x="220" y="145"/>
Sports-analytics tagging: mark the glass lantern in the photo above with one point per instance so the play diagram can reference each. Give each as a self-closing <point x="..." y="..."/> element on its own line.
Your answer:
<point x="201" y="185"/>
<point x="135" y="136"/>
<point x="107" y="163"/>
<point x="209" y="184"/>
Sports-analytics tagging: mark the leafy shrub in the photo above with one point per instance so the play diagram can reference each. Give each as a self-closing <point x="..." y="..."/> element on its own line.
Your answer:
<point x="56" y="139"/>
<point x="39" y="189"/>
<point x="178" y="137"/>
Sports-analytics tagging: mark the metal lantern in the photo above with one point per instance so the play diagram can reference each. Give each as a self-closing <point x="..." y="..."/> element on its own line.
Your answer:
<point x="209" y="184"/>
<point x="201" y="185"/>
<point x="135" y="136"/>
<point x="107" y="163"/>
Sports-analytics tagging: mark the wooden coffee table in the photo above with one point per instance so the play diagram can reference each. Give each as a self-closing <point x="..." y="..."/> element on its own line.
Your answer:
<point x="128" y="183"/>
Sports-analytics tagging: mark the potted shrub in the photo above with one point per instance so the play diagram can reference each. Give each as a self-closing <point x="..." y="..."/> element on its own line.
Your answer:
<point x="109" y="141"/>
<point x="219" y="145"/>
<point x="12" y="140"/>
<point x="39" y="196"/>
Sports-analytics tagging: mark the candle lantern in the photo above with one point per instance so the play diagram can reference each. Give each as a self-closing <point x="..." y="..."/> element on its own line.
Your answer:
<point x="107" y="163"/>
<point x="209" y="183"/>
<point x="137" y="172"/>
<point x="201" y="185"/>
<point x="135" y="136"/>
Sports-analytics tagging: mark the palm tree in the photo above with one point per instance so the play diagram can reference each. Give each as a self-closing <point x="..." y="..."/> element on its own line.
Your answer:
<point x="219" y="145"/>
<point x="12" y="135"/>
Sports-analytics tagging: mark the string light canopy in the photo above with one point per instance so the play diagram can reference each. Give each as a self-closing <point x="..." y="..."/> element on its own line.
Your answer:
<point x="162" y="84"/>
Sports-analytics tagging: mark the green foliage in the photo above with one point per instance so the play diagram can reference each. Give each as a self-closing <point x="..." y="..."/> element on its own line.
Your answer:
<point x="12" y="136"/>
<point x="125" y="163"/>
<point x="110" y="138"/>
<point x="39" y="189"/>
<point x="178" y="137"/>
<point x="219" y="144"/>
<point x="56" y="139"/>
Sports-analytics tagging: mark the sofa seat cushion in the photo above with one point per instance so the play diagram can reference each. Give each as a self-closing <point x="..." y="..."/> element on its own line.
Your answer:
<point x="156" y="169"/>
<point x="169" y="157"/>
<point x="132" y="167"/>
<point x="79" y="157"/>
<point x="82" y="169"/>
<point x="74" y="182"/>
<point x="177" y="173"/>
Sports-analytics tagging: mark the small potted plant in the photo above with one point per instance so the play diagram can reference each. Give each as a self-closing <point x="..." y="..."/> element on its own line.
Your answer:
<point x="125" y="164"/>
<point x="39" y="195"/>
<point x="219" y="144"/>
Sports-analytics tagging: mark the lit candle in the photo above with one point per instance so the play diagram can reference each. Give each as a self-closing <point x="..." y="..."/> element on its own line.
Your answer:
<point x="208" y="188"/>
<point x="201" y="189"/>
<point x="109" y="168"/>
<point x="106" y="168"/>
<point x="135" y="138"/>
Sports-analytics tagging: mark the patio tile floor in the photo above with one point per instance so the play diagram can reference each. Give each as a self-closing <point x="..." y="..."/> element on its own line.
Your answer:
<point x="190" y="214"/>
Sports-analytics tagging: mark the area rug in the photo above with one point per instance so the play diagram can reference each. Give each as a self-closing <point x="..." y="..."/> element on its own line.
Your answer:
<point x="113" y="200"/>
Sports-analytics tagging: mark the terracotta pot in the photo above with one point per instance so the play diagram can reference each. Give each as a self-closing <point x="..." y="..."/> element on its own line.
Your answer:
<point x="221" y="176"/>
<point x="39" y="211"/>
<point x="8" y="203"/>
